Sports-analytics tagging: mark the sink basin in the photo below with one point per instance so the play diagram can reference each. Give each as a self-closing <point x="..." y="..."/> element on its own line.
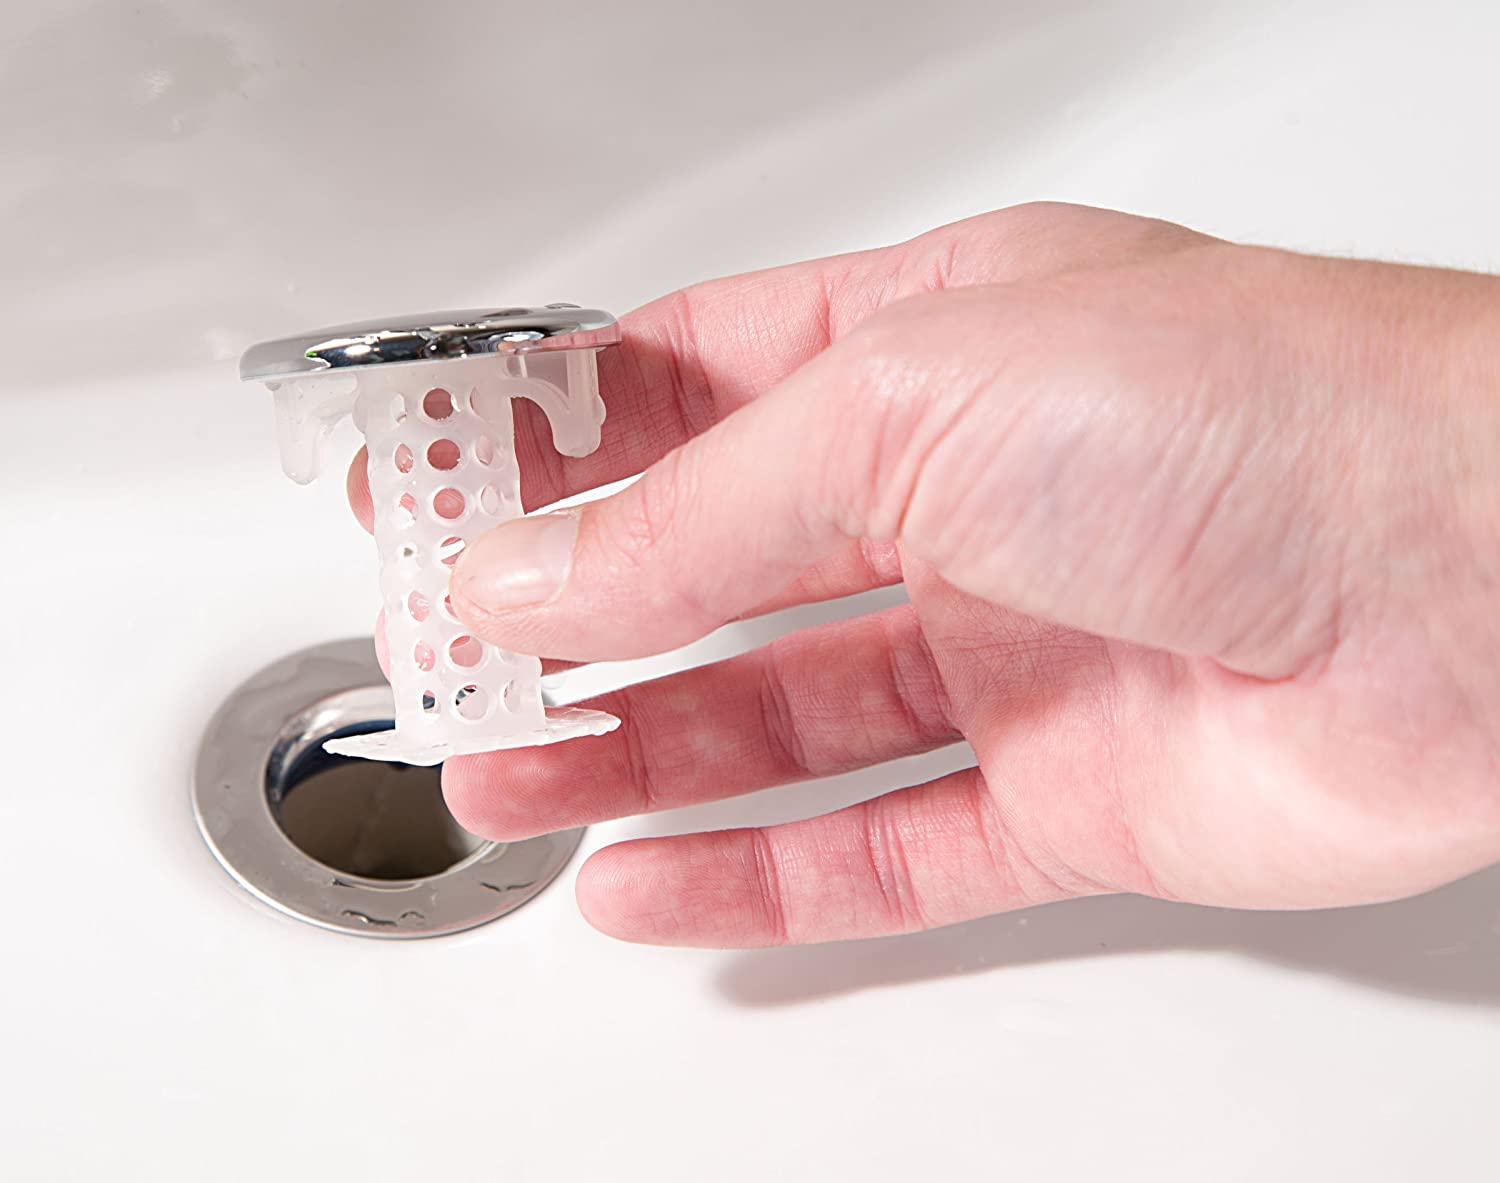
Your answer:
<point x="182" y="179"/>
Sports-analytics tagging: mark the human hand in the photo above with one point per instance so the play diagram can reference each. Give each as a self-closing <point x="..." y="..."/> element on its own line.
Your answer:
<point x="1199" y="543"/>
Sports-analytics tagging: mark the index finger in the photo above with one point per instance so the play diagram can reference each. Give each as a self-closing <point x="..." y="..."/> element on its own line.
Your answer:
<point x="690" y="358"/>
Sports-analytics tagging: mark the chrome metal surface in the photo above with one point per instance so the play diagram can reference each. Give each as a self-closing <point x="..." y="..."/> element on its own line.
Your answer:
<point x="264" y="746"/>
<point x="430" y="336"/>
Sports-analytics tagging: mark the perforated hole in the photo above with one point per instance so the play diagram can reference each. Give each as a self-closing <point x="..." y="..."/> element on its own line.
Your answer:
<point x="443" y="455"/>
<point x="407" y="553"/>
<point x="465" y="652"/>
<point x="489" y="499"/>
<point x="448" y="551"/>
<point x="448" y="608"/>
<point x="423" y="655"/>
<point x="449" y="504"/>
<point x="484" y="450"/>
<point x="418" y="607"/>
<point x="398" y="409"/>
<point x="472" y="703"/>
<point x="429" y="702"/>
<point x="404" y="459"/>
<point x="406" y="510"/>
<point x="511" y="696"/>
<point x="437" y="404"/>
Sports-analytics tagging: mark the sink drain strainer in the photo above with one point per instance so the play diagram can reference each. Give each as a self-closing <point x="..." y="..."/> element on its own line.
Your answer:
<point x="354" y="845"/>
<point x="432" y="395"/>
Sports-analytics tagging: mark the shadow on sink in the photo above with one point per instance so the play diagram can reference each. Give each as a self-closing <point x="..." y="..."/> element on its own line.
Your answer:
<point x="1443" y="945"/>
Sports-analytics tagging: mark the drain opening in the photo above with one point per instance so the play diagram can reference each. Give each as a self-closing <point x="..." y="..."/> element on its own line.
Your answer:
<point x="354" y="846"/>
<point x="366" y="817"/>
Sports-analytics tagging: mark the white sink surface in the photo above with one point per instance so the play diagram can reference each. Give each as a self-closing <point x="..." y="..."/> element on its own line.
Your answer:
<point x="180" y="179"/>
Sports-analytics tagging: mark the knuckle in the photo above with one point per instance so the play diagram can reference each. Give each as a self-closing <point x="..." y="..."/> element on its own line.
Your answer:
<point x="891" y="873"/>
<point x="1042" y="239"/>
<point x="878" y="398"/>
<point x="1042" y="215"/>
<point x="779" y="723"/>
<point x="767" y="874"/>
<point x="648" y="514"/>
<point x="681" y="324"/>
<point x="1053" y="220"/>
<point x="901" y="385"/>
<point x="639" y="771"/>
<point x="917" y="689"/>
<point x="645" y="538"/>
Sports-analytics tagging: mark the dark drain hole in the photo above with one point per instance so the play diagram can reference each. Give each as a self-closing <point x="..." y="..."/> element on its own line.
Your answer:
<point x="367" y="817"/>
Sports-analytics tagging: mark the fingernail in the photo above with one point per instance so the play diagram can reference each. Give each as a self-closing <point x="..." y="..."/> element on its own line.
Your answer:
<point x="521" y="563"/>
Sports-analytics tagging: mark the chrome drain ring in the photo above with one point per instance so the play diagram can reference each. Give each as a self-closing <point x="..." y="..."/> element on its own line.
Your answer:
<point x="268" y="728"/>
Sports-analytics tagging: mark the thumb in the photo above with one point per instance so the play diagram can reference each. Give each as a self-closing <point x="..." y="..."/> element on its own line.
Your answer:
<point x="708" y="533"/>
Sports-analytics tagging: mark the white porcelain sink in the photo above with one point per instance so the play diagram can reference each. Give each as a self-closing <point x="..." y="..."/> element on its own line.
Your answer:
<point x="179" y="179"/>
